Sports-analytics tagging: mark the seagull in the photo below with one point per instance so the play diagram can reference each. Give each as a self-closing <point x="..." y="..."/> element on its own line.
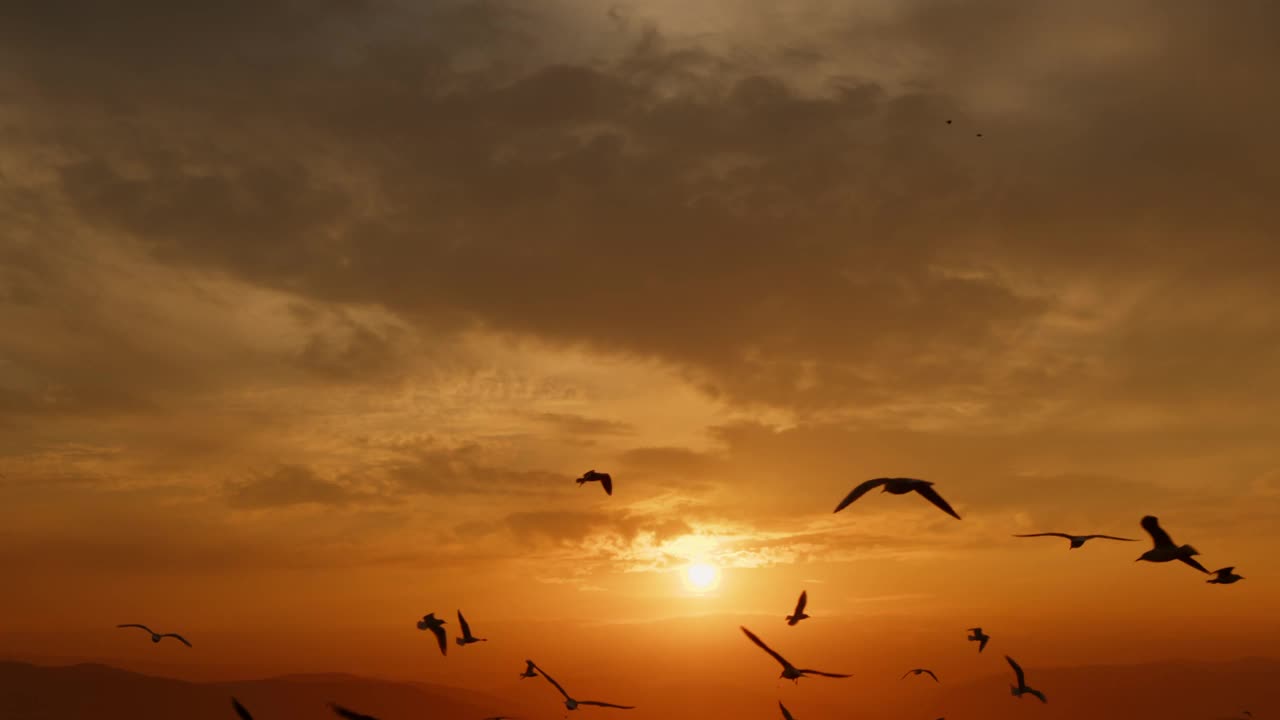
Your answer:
<point x="1164" y="549"/>
<point x="1226" y="576"/>
<point x="467" y="638"/>
<point x="919" y="671"/>
<point x="799" y="611"/>
<point x="1077" y="540"/>
<point x="1022" y="688"/>
<point x="789" y="671"/>
<point x="592" y="476"/>
<point x="979" y="637"/>
<point x="349" y="714"/>
<point x="573" y="704"/>
<point x="785" y="712"/>
<point x="899" y="486"/>
<point x="436" y="626"/>
<point x="530" y="670"/>
<point x="240" y="710"/>
<point x="155" y="636"/>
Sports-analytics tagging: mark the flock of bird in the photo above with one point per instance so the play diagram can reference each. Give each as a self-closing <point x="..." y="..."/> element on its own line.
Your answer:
<point x="1163" y="550"/>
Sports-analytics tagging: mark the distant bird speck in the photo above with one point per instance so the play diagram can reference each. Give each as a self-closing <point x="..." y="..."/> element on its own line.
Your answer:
<point x="919" y="671"/>
<point x="1225" y="576"/>
<point x="1164" y="549"/>
<point x="789" y="671"/>
<point x="899" y="486"/>
<point x="1022" y="688"/>
<point x="436" y="626"/>
<point x="155" y="636"/>
<point x="1077" y="540"/>
<point x="799" y="615"/>
<point x="603" y="478"/>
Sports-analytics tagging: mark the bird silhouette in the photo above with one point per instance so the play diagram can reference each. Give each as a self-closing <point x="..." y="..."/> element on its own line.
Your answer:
<point x="899" y="486"/>
<point x="155" y="636"/>
<point x="573" y="704"/>
<point x="530" y="670"/>
<point x="1076" y="540"/>
<point x="1225" y="576"/>
<point x="467" y="638"/>
<point x="979" y="637"/>
<point x="241" y="712"/>
<point x="919" y="671"/>
<point x="1021" y="688"/>
<point x="799" y="611"/>
<point x="349" y="714"/>
<point x="436" y="626"/>
<point x="786" y="714"/>
<point x="1164" y="549"/>
<point x="603" y="478"/>
<point x="789" y="671"/>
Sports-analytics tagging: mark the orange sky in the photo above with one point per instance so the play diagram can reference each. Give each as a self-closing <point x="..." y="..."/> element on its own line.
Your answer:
<point x="312" y="318"/>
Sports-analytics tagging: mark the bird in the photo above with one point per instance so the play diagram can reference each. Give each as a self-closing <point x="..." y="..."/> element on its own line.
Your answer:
<point x="785" y="712"/>
<point x="979" y="135"/>
<point x="789" y="671"/>
<point x="349" y="714"/>
<point x="1164" y="549"/>
<point x="436" y="626"/>
<point x="919" y="671"/>
<point x="155" y="636"/>
<point x="799" y="611"/>
<point x="530" y="670"/>
<point x="240" y="710"/>
<point x="572" y="704"/>
<point x="603" y="478"/>
<point x="979" y="637"/>
<point x="1021" y="688"/>
<point x="948" y="122"/>
<point x="899" y="486"/>
<point x="467" y="638"/>
<point x="1077" y="540"/>
<point x="1225" y="576"/>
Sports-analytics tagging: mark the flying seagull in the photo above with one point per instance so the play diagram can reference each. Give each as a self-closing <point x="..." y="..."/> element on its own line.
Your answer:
<point x="349" y="714"/>
<point x="593" y="476"/>
<point x="979" y="637"/>
<point x="785" y="712"/>
<point x="467" y="638"/>
<point x="789" y="671"/>
<point x="436" y="626"/>
<point x="530" y="670"/>
<point x="899" y="486"/>
<point x="1225" y="576"/>
<point x="1077" y="540"/>
<point x="573" y="704"/>
<point x="155" y="636"/>
<point x="799" y="611"/>
<point x="919" y="671"/>
<point x="240" y="710"/>
<point x="1022" y="688"/>
<point x="1165" y="550"/>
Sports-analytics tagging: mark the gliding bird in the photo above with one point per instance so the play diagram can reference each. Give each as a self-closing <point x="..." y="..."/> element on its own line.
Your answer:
<point x="572" y="704"/>
<point x="899" y="486"/>
<point x="155" y="636"/>
<point x="789" y="671"/>
<point x="603" y="478"/>
<point x="1076" y="540"/>
<point x="919" y="671"/>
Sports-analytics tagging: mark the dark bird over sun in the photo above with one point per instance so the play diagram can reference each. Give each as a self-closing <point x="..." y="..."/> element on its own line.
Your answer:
<point x="899" y="486"/>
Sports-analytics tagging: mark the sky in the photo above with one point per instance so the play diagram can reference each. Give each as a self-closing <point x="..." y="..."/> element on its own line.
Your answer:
<point x="313" y="312"/>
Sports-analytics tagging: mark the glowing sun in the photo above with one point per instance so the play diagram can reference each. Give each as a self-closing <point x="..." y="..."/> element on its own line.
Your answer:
<point x="701" y="577"/>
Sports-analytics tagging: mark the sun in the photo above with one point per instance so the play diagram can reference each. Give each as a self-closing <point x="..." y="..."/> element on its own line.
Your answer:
<point x="701" y="577"/>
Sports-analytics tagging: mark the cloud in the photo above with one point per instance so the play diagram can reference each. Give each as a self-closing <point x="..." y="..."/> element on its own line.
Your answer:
<point x="287" y="486"/>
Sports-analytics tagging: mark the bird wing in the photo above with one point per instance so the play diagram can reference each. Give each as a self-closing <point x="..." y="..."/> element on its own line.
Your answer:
<point x="553" y="682"/>
<point x="982" y="644"/>
<point x="1110" y="537"/>
<point x="1227" y="570"/>
<point x="1017" y="669"/>
<point x="349" y="714"/>
<point x="1038" y="694"/>
<point x="859" y="491"/>
<point x="607" y="482"/>
<point x="597" y="703"/>
<point x="905" y="674"/>
<point x="1195" y="564"/>
<point x="1061" y="535"/>
<point x="441" y="639"/>
<point x="823" y="674"/>
<point x="1151" y="524"/>
<point x="932" y="496"/>
<point x="935" y="677"/>
<point x="785" y="712"/>
<point x="466" y="628"/>
<point x="804" y="600"/>
<point x="144" y="627"/>
<point x="177" y="637"/>
<point x="240" y="710"/>
<point x="781" y="660"/>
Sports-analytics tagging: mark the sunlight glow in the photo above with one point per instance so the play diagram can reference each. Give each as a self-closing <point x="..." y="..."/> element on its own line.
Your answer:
<point x="701" y="577"/>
